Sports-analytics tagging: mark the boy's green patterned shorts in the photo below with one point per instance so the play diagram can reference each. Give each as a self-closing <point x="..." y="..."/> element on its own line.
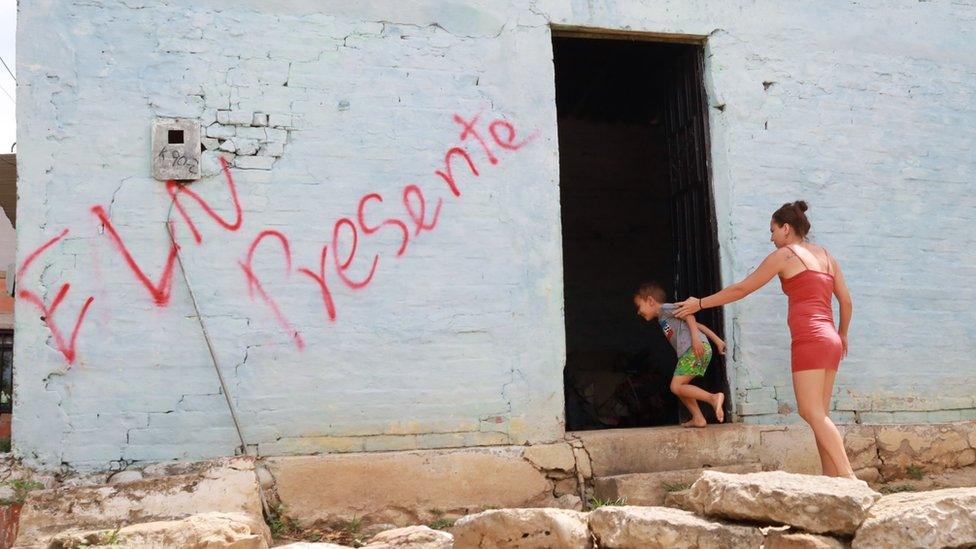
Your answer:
<point x="689" y="365"/>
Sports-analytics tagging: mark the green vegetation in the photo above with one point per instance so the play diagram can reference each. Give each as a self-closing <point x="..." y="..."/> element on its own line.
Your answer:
<point x="21" y="488"/>
<point x="596" y="503"/>
<point x="675" y="486"/>
<point x="914" y="472"/>
<point x="894" y="489"/>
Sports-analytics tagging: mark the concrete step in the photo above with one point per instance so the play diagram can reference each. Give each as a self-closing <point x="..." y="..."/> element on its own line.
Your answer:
<point x="652" y="488"/>
<point x="653" y="449"/>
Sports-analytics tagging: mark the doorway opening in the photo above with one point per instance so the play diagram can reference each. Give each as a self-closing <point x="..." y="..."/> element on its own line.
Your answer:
<point x="636" y="205"/>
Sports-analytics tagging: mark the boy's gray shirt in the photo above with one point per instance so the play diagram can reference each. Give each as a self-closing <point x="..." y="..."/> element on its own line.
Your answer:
<point x="675" y="329"/>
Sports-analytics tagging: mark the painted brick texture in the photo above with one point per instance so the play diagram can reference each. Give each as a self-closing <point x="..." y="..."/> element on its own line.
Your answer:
<point x="458" y="341"/>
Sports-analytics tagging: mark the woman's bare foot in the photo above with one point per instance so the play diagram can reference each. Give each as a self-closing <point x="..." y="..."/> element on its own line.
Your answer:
<point x="696" y="423"/>
<point x="717" y="402"/>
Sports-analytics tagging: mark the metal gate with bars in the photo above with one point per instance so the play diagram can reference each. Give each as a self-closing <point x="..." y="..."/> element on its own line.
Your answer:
<point x="693" y="219"/>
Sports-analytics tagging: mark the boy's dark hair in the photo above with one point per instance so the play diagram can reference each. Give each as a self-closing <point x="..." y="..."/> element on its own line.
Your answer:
<point x="652" y="290"/>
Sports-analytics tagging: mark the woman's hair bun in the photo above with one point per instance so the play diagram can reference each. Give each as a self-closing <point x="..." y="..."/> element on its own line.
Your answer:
<point x="793" y="214"/>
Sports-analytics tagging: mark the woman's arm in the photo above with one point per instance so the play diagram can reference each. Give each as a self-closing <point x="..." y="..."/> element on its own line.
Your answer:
<point x="769" y="268"/>
<point x="846" y="304"/>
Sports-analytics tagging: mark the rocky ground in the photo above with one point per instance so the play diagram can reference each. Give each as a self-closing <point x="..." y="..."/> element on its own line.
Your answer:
<point x="354" y="534"/>
<point x="764" y="509"/>
<point x="219" y="503"/>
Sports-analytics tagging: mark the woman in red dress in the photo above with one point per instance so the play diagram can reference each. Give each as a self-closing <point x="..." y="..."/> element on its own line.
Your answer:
<point x="809" y="276"/>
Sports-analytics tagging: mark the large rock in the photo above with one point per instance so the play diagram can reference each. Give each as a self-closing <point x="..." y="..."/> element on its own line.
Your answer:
<point x="227" y="485"/>
<point x="666" y="528"/>
<point x="816" y="504"/>
<point x="208" y="530"/>
<point x="411" y="537"/>
<point x="522" y="529"/>
<point x="941" y="518"/>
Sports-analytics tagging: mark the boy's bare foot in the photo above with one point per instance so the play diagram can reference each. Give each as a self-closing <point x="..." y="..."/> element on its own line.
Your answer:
<point x="696" y="423"/>
<point x="717" y="401"/>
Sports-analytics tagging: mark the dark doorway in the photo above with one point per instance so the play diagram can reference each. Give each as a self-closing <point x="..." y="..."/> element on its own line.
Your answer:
<point x="636" y="206"/>
<point x="6" y="372"/>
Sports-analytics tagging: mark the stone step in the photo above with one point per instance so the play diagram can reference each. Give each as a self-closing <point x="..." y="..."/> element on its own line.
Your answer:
<point x="653" y="449"/>
<point x="651" y="488"/>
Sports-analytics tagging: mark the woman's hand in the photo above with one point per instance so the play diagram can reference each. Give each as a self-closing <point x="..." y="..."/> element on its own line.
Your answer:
<point x="843" y="341"/>
<point x="687" y="307"/>
<point x="720" y="347"/>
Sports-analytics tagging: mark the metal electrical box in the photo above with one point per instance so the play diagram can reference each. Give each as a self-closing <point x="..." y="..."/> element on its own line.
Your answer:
<point x="176" y="149"/>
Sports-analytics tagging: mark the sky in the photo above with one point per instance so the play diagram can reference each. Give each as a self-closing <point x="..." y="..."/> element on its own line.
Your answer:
<point x="8" y="27"/>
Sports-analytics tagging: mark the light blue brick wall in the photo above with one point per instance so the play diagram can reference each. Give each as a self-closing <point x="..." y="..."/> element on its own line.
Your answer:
<point x="460" y="340"/>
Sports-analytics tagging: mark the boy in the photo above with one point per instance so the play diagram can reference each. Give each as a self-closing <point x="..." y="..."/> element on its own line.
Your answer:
<point x="694" y="352"/>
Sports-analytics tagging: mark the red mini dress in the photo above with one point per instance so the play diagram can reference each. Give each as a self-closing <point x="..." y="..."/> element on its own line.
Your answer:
<point x="816" y="343"/>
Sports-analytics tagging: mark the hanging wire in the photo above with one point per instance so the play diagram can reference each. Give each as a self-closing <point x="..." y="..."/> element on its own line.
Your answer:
<point x="203" y="326"/>
<point x="266" y="507"/>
